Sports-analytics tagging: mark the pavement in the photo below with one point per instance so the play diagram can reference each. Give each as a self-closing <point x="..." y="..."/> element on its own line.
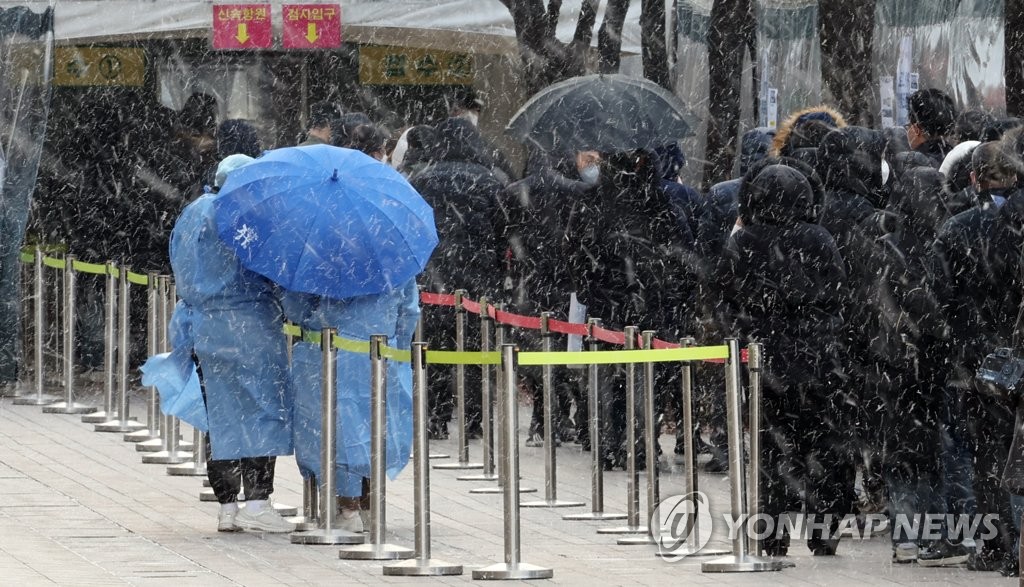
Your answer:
<point x="78" y="507"/>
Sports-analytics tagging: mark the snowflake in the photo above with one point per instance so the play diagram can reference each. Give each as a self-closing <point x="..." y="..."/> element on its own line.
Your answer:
<point x="245" y="236"/>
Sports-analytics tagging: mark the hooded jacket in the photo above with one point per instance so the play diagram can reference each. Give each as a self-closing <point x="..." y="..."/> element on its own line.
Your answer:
<point x="782" y="281"/>
<point x="784" y="136"/>
<point x="850" y="166"/>
<point x="626" y="256"/>
<point x="461" y="187"/>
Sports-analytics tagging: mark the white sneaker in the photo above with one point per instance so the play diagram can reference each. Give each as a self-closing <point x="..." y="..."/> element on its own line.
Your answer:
<point x="905" y="552"/>
<point x="226" y="521"/>
<point x="265" y="519"/>
<point x="350" y="523"/>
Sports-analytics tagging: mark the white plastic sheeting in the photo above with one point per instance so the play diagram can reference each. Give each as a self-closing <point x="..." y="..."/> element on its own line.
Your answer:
<point x="955" y="45"/>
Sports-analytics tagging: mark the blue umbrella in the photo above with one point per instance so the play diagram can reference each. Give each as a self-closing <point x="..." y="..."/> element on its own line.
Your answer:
<point x="327" y="221"/>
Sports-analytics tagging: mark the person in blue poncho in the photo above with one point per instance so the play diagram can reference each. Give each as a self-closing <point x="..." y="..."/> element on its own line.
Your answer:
<point x="235" y="319"/>
<point x="393" y="313"/>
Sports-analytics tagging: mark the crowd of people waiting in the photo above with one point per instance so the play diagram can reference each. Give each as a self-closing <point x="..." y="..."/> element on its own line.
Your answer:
<point x="878" y="267"/>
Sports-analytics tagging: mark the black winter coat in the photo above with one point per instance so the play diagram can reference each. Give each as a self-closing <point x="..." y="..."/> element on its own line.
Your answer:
<point x="624" y="250"/>
<point x="782" y="281"/>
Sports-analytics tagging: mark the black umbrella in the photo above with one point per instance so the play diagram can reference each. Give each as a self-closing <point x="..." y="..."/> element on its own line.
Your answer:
<point x="602" y="113"/>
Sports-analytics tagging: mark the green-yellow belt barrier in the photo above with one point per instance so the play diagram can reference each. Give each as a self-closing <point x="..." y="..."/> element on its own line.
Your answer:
<point x="93" y="268"/>
<point x="526" y="358"/>
<point x="28" y="256"/>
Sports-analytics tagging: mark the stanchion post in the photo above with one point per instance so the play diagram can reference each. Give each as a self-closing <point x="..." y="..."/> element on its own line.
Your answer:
<point x="594" y="416"/>
<point x="632" y="478"/>
<point x="423" y="565"/>
<point x="69" y="405"/>
<point x="754" y="366"/>
<point x="486" y="401"/>
<point x="326" y="532"/>
<point x="740" y="560"/>
<point x="40" y="398"/>
<point x="497" y="407"/>
<point x="650" y="449"/>
<point x="691" y="484"/>
<point x="376" y="548"/>
<point x="15" y="388"/>
<point x="109" y="411"/>
<point x="172" y="453"/>
<point x="550" y="459"/>
<point x="148" y="438"/>
<point x="123" y="423"/>
<point x="462" y="441"/>
<point x="513" y="567"/>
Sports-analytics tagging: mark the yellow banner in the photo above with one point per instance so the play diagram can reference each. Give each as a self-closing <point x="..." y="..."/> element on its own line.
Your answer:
<point x="408" y="66"/>
<point x="99" y="66"/>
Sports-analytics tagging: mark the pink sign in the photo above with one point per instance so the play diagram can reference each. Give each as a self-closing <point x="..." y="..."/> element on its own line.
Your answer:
<point x="242" y="26"/>
<point x="311" y="26"/>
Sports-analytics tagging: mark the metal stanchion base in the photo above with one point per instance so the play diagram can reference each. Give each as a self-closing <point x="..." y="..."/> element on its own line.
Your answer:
<point x="594" y="516"/>
<point x="98" y="417"/>
<point x="459" y="466"/>
<point x="624" y="530"/>
<point x="506" y="571"/>
<point x="186" y="470"/>
<point x="688" y="552"/>
<point x="151" y="445"/>
<point x="737" y="564"/>
<point x="321" y="537"/>
<point x="36" y="400"/>
<point x="438" y="455"/>
<point x="376" y="552"/>
<point x="557" y="503"/>
<point x="144" y="435"/>
<point x="422" y="568"/>
<point x="64" y="407"/>
<point x="167" y="457"/>
<point x="636" y="540"/>
<point x="121" y="426"/>
<point x="501" y="490"/>
<point x="207" y="495"/>
<point x="303" y="524"/>
<point x="482" y="477"/>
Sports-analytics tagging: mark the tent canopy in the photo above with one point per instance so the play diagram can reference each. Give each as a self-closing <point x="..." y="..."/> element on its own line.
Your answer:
<point x="481" y="26"/>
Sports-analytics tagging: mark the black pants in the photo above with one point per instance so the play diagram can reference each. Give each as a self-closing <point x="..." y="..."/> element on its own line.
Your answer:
<point x="805" y="460"/>
<point x="227" y="478"/>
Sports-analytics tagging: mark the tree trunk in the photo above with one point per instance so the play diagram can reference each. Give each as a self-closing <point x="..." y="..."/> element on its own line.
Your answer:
<point x="547" y="60"/>
<point x="846" y="33"/>
<point x="1014" y="57"/>
<point x="609" y="37"/>
<point x="653" y="42"/>
<point x="730" y="31"/>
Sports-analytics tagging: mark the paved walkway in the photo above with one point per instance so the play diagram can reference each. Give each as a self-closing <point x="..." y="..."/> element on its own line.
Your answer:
<point x="78" y="507"/>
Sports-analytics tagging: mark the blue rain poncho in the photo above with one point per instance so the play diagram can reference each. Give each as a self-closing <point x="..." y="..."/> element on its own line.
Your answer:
<point x="174" y="373"/>
<point x="236" y="323"/>
<point x="393" y="313"/>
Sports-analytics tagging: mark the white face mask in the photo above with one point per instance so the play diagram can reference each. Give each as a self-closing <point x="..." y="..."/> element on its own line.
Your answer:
<point x="590" y="174"/>
<point x="885" y="172"/>
<point x="471" y="116"/>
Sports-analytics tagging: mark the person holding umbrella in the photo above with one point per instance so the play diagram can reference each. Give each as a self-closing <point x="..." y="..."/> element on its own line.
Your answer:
<point x="235" y="321"/>
<point x="345" y="236"/>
